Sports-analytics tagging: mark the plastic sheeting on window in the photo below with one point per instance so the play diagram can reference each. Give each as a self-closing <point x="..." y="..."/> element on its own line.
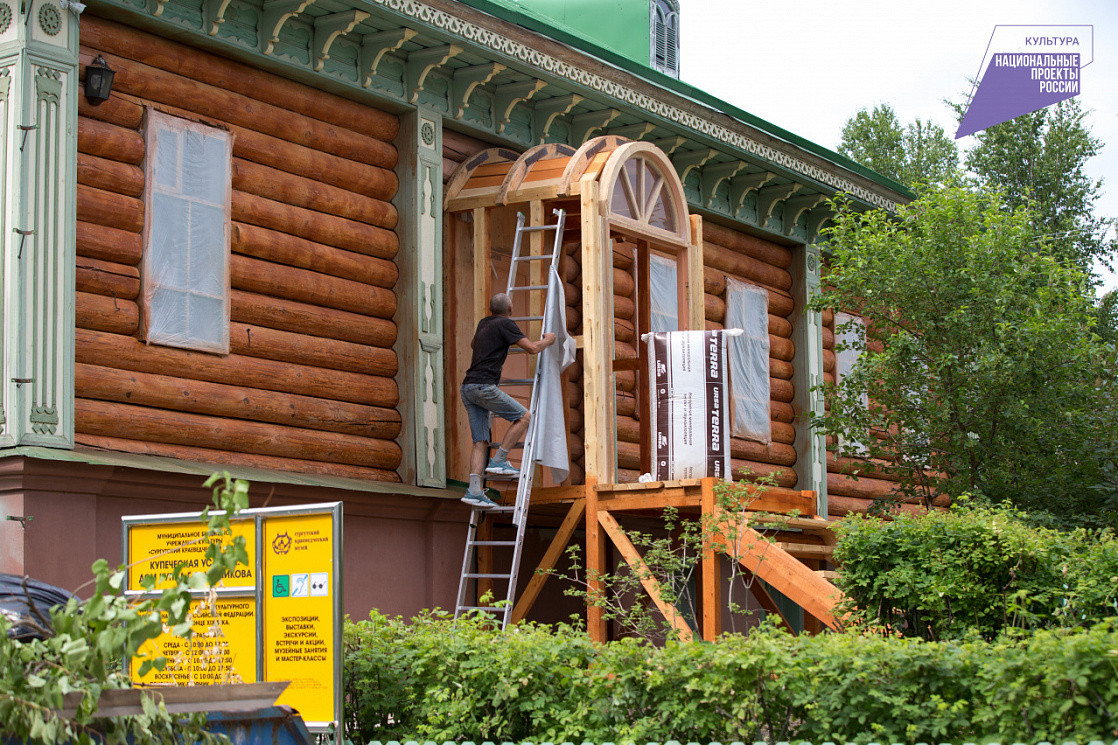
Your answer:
<point x="186" y="266"/>
<point x="747" y="308"/>
<point x="664" y="303"/>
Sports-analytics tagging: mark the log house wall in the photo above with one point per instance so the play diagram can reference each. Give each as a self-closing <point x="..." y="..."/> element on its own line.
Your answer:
<point x="309" y="384"/>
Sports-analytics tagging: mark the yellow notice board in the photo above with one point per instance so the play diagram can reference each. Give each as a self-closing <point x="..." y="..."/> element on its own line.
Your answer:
<point x="299" y="611"/>
<point x="222" y="650"/>
<point x="156" y="549"/>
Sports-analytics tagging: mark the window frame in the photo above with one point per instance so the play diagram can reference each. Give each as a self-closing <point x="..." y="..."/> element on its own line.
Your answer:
<point x="755" y="338"/>
<point x="215" y="193"/>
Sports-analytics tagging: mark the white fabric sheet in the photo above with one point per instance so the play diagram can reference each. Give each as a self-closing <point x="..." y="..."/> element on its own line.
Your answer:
<point x="550" y="428"/>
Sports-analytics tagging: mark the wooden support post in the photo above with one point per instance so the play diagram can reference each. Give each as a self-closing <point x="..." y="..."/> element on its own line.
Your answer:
<point x="597" y="340"/>
<point x="550" y="558"/>
<point x="651" y="584"/>
<point x="595" y="562"/>
<point x="692" y="302"/>
<point x="711" y="576"/>
<point x="811" y="623"/>
<point x="537" y="272"/>
<point x="482" y="247"/>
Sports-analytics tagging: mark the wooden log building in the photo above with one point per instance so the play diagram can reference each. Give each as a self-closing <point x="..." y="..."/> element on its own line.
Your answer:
<point x="266" y="252"/>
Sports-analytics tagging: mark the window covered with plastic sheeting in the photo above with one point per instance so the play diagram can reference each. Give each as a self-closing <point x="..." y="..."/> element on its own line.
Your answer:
<point x="747" y="308"/>
<point x="663" y="279"/>
<point x="186" y="261"/>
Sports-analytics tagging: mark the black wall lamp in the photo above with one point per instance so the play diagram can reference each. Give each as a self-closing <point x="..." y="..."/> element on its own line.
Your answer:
<point x="98" y="81"/>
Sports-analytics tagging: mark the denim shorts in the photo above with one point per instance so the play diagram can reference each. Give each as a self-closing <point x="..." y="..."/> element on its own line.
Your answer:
<point x="482" y="398"/>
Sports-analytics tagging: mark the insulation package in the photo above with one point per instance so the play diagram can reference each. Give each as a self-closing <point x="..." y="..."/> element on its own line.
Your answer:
<point x="690" y="425"/>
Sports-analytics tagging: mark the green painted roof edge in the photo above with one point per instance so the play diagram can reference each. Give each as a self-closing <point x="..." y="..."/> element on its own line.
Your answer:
<point x="548" y="27"/>
<point x="249" y="473"/>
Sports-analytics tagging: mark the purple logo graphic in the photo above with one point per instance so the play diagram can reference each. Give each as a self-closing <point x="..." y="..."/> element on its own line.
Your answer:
<point x="1027" y="68"/>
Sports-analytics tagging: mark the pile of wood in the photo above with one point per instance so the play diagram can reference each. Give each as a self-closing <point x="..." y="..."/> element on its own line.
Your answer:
<point x="309" y="383"/>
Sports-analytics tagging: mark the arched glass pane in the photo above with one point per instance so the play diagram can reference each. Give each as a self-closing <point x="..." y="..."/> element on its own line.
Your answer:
<point x="624" y="201"/>
<point x="662" y="215"/>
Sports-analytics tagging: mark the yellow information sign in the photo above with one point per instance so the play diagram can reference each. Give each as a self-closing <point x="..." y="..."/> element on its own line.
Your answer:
<point x="299" y="622"/>
<point x="221" y="650"/>
<point x="157" y="548"/>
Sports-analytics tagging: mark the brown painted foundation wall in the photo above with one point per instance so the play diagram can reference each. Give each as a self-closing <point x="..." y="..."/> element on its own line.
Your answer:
<point x="309" y="383"/>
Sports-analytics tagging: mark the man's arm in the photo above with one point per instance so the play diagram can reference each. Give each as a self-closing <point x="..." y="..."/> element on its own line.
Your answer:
<point x="535" y="347"/>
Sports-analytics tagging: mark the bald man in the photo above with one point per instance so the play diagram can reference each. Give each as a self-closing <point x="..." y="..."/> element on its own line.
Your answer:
<point x="480" y="394"/>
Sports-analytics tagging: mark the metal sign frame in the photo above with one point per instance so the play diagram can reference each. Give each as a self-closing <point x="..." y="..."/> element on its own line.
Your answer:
<point x="259" y="516"/>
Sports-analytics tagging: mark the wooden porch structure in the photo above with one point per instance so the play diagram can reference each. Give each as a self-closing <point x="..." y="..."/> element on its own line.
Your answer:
<point x="616" y="192"/>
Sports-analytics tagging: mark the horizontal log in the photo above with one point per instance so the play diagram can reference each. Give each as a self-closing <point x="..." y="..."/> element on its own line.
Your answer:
<point x="781" y="390"/>
<point x="863" y="487"/>
<point x="626" y="404"/>
<point x="781" y="475"/>
<point x="160" y="86"/>
<point x="857" y="467"/>
<point x="828" y="338"/>
<point x="103" y="418"/>
<point x="714" y="282"/>
<point x="572" y="294"/>
<point x="783" y="432"/>
<point x="109" y="244"/>
<point x="623" y="307"/>
<point x="111" y="315"/>
<point x="780" y="369"/>
<point x="301" y="318"/>
<point x="728" y="261"/>
<point x="574" y="420"/>
<point x="300" y="191"/>
<point x="315" y="226"/>
<point x="624" y="351"/>
<point x="120" y="110"/>
<point x="107" y="278"/>
<point x="781" y="412"/>
<point x="110" y="175"/>
<point x="840" y="506"/>
<point x="758" y="248"/>
<point x="624" y="331"/>
<point x="828" y="360"/>
<point x="828" y="317"/>
<point x="223" y="459"/>
<point x="780" y="303"/>
<point x="574" y="319"/>
<point x="102" y="207"/>
<point x="776" y="453"/>
<point x="315" y="351"/>
<point x="282" y="248"/>
<point x="623" y="255"/>
<point x="196" y="64"/>
<point x="304" y="286"/>
<point x="623" y="283"/>
<point x="235" y="402"/>
<point x="571" y="270"/>
<point x="109" y="141"/>
<point x="714" y="309"/>
<point x="126" y="353"/>
<point x="781" y="348"/>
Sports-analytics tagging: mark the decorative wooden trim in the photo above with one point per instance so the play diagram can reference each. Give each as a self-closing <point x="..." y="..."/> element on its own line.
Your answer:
<point x="582" y="157"/>
<point x="215" y="15"/>
<point x="547" y="111"/>
<point x="463" y="172"/>
<point x="685" y="161"/>
<point x="466" y="80"/>
<point x="326" y="31"/>
<point x="769" y="196"/>
<point x="274" y="14"/>
<point x="815" y="221"/>
<point x="507" y="96"/>
<point x="672" y="190"/>
<point x="420" y="65"/>
<point x="523" y="166"/>
<point x="584" y="125"/>
<point x="712" y="176"/>
<point x="670" y="144"/>
<point x="375" y="46"/>
<point x="796" y="206"/>
<point x="741" y="186"/>
<point x="635" y="132"/>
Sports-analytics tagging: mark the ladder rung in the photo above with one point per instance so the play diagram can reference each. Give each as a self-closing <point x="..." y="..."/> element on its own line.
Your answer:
<point x="527" y="318"/>
<point x="492" y="543"/>
<point x="489" y="576"/>
<point x="538" y="228"/>
<point x="518" y="381"/>
<point x="521" y="288"/>
<point x="532" y="257"/>
<point x="486" y="608"/>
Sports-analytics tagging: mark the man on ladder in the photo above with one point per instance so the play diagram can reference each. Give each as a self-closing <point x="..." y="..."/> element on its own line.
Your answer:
<point x="482" y="396"/>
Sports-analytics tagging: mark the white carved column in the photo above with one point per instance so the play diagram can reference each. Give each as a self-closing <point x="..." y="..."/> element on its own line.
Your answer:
<point x="807" y="335"/>
<point x="38" y="165"/>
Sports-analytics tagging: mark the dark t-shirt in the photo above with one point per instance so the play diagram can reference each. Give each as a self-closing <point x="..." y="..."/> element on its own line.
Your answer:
<point x="494" y="336"/>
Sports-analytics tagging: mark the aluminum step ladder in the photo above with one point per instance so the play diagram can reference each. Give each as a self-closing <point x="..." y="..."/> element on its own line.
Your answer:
<point x="518" y="512"/>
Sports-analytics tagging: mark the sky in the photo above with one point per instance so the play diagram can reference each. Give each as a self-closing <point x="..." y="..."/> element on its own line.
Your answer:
<point x="810" y="65"/>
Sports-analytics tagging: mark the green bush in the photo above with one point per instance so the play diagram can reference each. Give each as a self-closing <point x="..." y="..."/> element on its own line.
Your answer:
<point x="946" y="575"/>
<point x="436" y="679"/>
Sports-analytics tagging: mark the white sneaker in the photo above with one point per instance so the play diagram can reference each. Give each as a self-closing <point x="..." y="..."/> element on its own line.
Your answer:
<point x="479" y="500"/>
<point x="501" y="468"/>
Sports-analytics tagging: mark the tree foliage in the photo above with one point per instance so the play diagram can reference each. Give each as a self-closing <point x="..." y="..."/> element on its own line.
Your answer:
<point x="85" y="645"/>
<point x="1038" y="160"/>
<point x="916" y="155"/>
<point x="979" y="364"/>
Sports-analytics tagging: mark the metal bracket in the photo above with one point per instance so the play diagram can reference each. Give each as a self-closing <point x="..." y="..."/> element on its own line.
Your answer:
<point x="22" y="237"/>
<point x="375" y="46"/>
<point x="22" y="519"/>
<point x="466" y="80"/>
<point x="327" y="29"/>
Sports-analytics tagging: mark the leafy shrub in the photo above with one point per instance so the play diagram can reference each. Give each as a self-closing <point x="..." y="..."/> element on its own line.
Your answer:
<point x="980" y="570"/>
<point x="441" y="680"/>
